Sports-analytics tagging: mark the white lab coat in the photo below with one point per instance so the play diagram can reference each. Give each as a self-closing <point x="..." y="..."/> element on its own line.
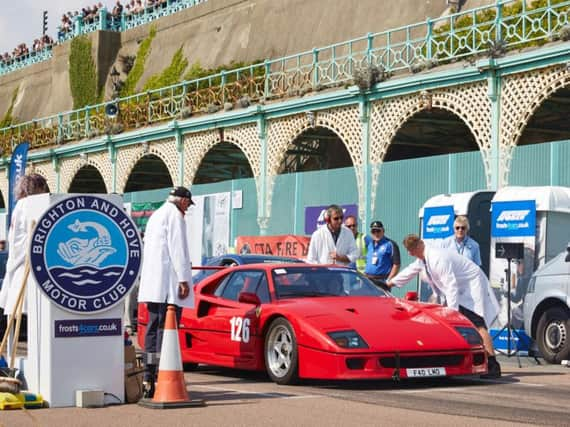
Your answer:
<point x="166" y="260"/>
<point x="322" y="244"/>
<point x="459" y="279"/>
<point x="18" y="247"/>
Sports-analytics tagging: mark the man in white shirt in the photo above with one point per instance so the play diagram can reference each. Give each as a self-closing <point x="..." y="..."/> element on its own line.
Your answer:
<point x="166" y="275"/>
<point x="462" y="282"/>
<point x="333" y="243"/>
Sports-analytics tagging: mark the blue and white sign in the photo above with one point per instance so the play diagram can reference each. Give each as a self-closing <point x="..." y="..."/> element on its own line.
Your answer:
<point x="438" y="222"/>
<point x="85" y="254"/>
<point x="17" y="170"/>
<point x="513" y="218"/>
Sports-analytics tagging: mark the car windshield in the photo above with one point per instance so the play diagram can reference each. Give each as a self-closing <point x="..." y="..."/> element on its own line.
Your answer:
<point x="293" y="282"/>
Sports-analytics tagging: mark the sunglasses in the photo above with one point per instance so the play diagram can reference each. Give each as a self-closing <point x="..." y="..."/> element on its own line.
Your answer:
<point x="337" y="218"/>
<point x="351" y="225"/>
<point x="377" y="230"/>
<point x="460" y="227"/>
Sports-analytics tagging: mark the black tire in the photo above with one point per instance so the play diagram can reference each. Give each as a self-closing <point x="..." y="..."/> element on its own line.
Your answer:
<point x="552" y="335"/>
<point x="190" y="367"/>
<point x="281" y="353"/>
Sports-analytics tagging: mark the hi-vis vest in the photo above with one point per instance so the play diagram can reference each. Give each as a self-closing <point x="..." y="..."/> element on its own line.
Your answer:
<point x="362" y="252"/>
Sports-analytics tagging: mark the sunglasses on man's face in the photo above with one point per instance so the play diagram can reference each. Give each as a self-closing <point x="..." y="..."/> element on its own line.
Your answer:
<point x="351" y="225"/>
<point x="337" y="218"/>
<point x="460" y="227"/>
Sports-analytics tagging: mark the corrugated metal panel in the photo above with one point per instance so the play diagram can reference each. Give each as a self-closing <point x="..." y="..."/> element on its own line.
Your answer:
<point x="531" y="165"/>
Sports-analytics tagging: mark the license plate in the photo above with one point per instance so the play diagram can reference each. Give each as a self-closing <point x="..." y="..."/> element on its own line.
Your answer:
<point x="425" y="372"/>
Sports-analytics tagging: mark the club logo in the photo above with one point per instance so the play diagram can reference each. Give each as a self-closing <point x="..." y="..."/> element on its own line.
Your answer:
<point x="85" y="254"/>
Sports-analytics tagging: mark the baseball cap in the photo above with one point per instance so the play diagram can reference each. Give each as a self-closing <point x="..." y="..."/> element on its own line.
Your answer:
<point x="376" y="225"/>
<point x="182" y="192"/>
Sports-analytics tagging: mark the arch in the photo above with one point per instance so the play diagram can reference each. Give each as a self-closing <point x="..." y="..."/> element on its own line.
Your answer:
<point x="71" y="166"/>
<point x="129" y="156"/>
<point x="46" y="170"/>
<point x="469" y="102"/>
<point x="197" y="145"/>
<point x="94" y="186"/>
<point x="344" y="122"/>
<point x="149" y="173"/>
<point x="521" y="96"/>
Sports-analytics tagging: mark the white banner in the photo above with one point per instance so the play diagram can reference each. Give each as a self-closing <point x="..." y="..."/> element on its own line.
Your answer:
<point x="208" y="226"/>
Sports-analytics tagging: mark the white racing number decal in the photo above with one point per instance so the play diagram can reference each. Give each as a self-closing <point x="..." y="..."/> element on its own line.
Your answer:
<point x="239" y="329"/>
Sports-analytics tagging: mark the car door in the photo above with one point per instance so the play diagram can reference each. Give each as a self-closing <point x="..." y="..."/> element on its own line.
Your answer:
<point x="229" y="326"/>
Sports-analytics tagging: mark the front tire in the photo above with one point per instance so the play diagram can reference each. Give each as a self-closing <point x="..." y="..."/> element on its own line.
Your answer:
<point x="553" y="335"/>
<point x="281" y="354"/>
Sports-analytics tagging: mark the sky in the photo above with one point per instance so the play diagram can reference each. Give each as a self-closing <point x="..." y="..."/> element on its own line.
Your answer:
<point x="22" y="21"/>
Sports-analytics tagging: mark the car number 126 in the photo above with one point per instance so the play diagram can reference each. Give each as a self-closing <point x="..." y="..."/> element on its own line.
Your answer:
<point x="239" y="329"/>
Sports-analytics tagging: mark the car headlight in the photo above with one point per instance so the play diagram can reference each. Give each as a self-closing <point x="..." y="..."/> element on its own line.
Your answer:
<point x="348" y="339"/>
<point x="470" y="335"/>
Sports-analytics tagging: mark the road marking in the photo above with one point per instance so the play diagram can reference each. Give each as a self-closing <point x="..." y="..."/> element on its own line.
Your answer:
<point x="274" y="395"/>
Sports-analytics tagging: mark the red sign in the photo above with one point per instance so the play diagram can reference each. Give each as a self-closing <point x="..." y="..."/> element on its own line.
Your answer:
<point x="286" y="245"/>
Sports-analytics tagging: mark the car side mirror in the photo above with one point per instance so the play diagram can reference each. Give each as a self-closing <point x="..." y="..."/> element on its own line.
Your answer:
<point x="567" y="259"/>
<point x="249" y="298"/>
<point x="411" y="296"/>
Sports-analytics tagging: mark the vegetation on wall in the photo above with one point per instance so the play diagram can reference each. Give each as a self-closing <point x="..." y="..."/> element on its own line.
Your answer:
<point x="82" y="73"/>
<point x="486" y="31"/>
<point x="138" y="68"/>
<point x="8" y="120"/>
<point x="196" y="72"/>
<point x="171" y="74"/>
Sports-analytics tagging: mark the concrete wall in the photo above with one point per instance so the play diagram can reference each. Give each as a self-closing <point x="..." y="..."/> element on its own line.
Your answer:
<point x="216" y="33"/>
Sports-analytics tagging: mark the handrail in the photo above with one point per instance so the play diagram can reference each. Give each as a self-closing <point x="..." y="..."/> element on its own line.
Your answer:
<point x="404" y="48"/>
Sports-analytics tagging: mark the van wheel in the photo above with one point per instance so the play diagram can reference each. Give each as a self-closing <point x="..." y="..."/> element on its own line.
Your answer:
<point x="553" y="335"/>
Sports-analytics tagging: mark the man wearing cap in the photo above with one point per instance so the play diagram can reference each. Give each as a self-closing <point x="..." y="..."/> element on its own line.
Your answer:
<point x="382" y="257"/>
<point x="166" y="275"/>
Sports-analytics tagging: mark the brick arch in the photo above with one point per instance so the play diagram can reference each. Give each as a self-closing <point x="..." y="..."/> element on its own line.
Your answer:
<point x="69" y="168"/>
<point x="128" y="157"/>
<point x="4" y="186"/>
<point x="522" y="95"/>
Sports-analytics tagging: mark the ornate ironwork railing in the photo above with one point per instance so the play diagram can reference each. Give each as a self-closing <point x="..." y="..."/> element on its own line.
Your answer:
<point x="480" y="31"/>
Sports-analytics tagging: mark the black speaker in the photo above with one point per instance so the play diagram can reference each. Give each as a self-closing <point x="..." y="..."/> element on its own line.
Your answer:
<point x="509" y="250"/>
<point x="111" y="110"/>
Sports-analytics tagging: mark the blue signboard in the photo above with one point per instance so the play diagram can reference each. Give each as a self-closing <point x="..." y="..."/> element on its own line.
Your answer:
<point x="85" y="254"/>
<point x="514" y="218"/>
<point x="315" y="216"/>
<point x="87" y="328"/>
<point x="17" y="169"/>
<point x="438" y="222"/>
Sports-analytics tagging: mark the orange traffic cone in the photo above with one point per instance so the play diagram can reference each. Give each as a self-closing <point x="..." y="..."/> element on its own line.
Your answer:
<point x="170" y="388"/>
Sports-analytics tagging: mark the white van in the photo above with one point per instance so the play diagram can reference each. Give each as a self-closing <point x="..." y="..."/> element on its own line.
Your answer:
<point x="547" y="308"/>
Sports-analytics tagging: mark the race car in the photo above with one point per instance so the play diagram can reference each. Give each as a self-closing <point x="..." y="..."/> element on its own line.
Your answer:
<point x="323" y="322"/>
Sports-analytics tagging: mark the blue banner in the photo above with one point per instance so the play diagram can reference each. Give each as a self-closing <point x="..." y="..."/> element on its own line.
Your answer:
<point x="17" y="169"/>
<point x="314" y="217"/>
<point x="514" y="218"/>
<point x="438" y="222"/>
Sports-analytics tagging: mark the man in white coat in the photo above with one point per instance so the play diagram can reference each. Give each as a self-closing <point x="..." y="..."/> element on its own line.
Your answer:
<point x="166" y="275"/>
<point x="333" y="243"/>
<point x="462" y="283"/>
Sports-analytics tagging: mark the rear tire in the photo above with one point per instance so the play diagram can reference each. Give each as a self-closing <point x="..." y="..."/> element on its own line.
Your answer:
<point x="281" y="353"/>
<point x="553" y="335"/>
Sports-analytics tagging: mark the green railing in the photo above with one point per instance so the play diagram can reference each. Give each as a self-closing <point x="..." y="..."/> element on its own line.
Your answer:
<point x="481" y="31"/>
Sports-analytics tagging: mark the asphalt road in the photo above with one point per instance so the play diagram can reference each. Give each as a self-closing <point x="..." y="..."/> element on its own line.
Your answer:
<point x="530" y="395"/>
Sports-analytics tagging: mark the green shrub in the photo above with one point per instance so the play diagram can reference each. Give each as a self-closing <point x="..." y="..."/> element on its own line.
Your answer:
<point x="138" y="68"/>
<point x="82" y="73"/>
<point x="8" y="120"/>
<point x="171" y="75"/>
